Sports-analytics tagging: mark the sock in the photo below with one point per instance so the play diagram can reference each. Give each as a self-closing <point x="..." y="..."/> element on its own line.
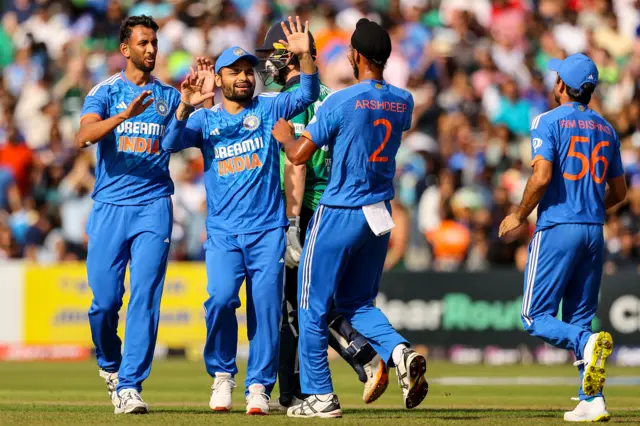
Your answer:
<point x="325" y="397"/>
<point x="396" y="355"/>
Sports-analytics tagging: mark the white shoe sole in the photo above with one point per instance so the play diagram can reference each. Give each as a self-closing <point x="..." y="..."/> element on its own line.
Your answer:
<point x="330" y="415"/>
<point x="418" y="386"/>
<point x="601" y="418"/>
<point x="136" y="409"/>
<point x="595" y="374"/>
<point x="257" y="411"/>
<point x="379" y="385"/>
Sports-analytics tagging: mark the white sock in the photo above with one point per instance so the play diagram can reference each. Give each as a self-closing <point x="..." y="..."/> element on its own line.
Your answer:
<point x="396" y="355"/>
<point x="324" y="397"/>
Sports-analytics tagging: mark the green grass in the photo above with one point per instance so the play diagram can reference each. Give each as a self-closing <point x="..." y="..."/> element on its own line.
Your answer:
<point x="178" y="393"/>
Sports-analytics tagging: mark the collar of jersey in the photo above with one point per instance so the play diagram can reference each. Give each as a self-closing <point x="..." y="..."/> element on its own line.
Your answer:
<point x="372" y="81"/>
<point x="242" y="111"/>
<point x="575" y="104"/>
<point x="135" y="87"/>
<point x="289" y="84"/>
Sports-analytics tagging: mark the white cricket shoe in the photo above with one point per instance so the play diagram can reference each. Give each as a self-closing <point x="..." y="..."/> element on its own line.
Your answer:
<point x="276" y="406"/>
<point x="130" y="402"/>
<point x="111" y="379"/>
<point x="221" y="392"/>
<point x="315" y="407"/>
<point x="410" y="372"/>
<point x="377" y="379"/>
<point x="257" y="400"/>
<point x="593" y="410"/>
<point x="596" y="351"/>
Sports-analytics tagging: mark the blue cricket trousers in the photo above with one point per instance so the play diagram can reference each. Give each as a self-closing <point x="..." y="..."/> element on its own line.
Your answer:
<point x="342" y="261"/>
<point x="258" y="257"/>
<point x="565" y="264"/>
<point x="140" y="236"/>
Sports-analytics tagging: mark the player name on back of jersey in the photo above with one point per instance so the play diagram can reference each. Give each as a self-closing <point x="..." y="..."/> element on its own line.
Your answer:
<point x="235" y="158"/>
<point x="138" y="140"/>
<point x="585" y="124"/>
<point x="381" y="105"/>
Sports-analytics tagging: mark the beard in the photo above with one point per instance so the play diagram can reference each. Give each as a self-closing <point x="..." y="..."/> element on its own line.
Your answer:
<point x="139" y="63"/>
<point x="232" y="93"/>
<point x="356" y="71"/>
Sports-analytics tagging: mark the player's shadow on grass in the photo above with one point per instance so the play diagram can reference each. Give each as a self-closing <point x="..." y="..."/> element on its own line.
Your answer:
<point x="449" y="413"/>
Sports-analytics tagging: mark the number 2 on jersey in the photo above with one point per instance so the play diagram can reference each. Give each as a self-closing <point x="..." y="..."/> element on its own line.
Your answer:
<point x="586" y="164"/>
<point x="376" y="157"/>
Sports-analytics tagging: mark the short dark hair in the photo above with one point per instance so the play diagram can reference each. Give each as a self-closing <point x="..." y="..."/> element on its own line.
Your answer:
<point x="133" y="21"/>
<point x="582" y="95"/>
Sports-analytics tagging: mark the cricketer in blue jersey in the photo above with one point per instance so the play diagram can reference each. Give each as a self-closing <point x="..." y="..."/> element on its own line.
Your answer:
<point x="246" y="218"/>
<point x="131" y="219"/>
<point x="346" y="242"/>
<point x="576" y="153"/>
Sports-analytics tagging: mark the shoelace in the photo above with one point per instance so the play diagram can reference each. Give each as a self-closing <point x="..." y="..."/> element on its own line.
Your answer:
<point x="259" y="394"/>
<point x="130" y="395"/>
<point x="219" y="385"/>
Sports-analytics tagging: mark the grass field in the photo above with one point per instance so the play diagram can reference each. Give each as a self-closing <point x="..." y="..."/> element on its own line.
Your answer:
<point x="178" y="393"/>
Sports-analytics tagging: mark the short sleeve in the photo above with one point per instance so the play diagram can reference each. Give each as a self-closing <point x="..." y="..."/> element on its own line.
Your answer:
<point x="324" y="126"/>
<point x="96" y="103"/>
<point x="408" y="113"/>
<point x="616" y="169"/>
<point x="543" y="146"/>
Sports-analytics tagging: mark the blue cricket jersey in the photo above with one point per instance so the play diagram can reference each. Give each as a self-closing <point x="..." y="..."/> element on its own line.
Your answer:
<point x="585" y="152"/>
<point x="132" y="168"/>
<point x="362" y="125"/>
<point x="241" y="158"/>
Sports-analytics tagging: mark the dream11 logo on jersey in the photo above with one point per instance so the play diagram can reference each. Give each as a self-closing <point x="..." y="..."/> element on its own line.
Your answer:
<point x="140" y="144"/>
<point x="239" y="156"/>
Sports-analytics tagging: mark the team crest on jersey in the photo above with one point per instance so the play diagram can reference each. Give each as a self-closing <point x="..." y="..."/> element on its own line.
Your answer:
<point x="162" y="108"/>
<point x="537" y="143"/>
<point x="251" y="122"/>
<point x="581" y="108"/>
<point x="378" y="86"/>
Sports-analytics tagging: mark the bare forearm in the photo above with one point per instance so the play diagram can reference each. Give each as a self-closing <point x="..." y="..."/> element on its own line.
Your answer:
<point x="307" y="65"/>
<point x="533" y="192"/>
<point x="91" y="133"/>
<point x="294" y="180"/>
<point x="611" y="199"/>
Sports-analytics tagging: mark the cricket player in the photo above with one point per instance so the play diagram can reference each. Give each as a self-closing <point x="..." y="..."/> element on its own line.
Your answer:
<point x="131" y="219"/>
<point x="347" y="239"/>
<point x="246" y="218"/>
<point x="576" y="153"/>
<point x="303" y="185"/>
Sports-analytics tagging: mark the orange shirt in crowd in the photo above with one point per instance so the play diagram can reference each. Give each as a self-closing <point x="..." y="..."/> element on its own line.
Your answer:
<point x="18" y="158"/>
<point x="450" y="241"/>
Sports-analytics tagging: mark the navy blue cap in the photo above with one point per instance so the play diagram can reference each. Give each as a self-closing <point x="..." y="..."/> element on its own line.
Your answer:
<point x="233" y="54"/>
<point x="575" y="70"/>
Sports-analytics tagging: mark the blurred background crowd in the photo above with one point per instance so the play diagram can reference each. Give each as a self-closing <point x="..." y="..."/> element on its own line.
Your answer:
<point x="476" y="69"/>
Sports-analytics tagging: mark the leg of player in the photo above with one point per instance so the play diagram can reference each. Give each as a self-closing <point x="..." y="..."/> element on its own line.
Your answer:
<point x="355" y="299"/>
<point x="225" y="274"/>
<point x="579" y="307"/>
<point x="324" y="258"/>
<point x="264" y="258"/>
<point x="354" y="348"/>
<point x="108" y="254"/>
<point x="149" y="232"/>
<point x="288" y="374"/>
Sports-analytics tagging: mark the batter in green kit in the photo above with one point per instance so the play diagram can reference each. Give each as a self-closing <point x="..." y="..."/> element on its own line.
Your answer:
<point x="319" y="165"/>
<point x="303" y="187"/>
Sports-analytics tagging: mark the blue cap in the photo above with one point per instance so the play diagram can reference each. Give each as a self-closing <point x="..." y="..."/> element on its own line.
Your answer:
<point x="232" y="55"/>
<point x="575" y="70"/>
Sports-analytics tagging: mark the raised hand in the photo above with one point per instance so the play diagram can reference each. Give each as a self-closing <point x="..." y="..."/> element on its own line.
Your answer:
<point x="206" y="71"/>
<point x="297" y="38"/>
<point x="509" y="223"/>
<point x="138" y="105"/>
<point x="191" y="89"/>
